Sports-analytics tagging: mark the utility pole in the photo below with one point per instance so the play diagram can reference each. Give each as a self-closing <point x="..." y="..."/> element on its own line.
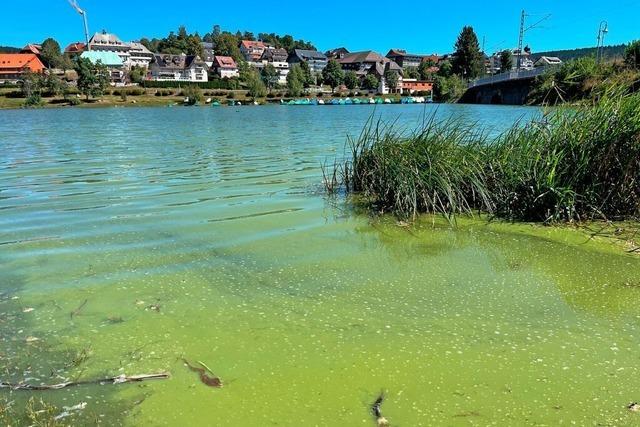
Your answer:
<point x="74" y="4"/>
<point x="602" y="32"/>
<point x="523" y="16"/>
<point x="523" y="30"/>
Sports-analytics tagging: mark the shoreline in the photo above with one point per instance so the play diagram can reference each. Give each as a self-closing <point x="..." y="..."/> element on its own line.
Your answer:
<point x="171" y="102"/>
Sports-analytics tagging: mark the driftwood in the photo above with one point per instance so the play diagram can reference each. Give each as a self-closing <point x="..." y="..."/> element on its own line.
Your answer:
<point x="121" y="379"/>
<point x="79" y="309"/>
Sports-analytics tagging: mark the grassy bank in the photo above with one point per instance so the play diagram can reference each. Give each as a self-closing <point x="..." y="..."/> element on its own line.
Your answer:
<point x="140" y="97"/>
<point x="574" y="164"/>
<point x="10" y="98"/>
<point x="583" y="80"/>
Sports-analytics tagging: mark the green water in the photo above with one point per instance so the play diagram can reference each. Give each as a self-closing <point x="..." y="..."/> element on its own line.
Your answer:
<point x="305" y="309"/>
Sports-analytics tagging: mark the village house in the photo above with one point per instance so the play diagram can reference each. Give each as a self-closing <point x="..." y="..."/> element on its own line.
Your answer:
<point x="433" y="59"/>
<point x="208" y="53"/>
<point x="112" y="61"/>
<point x="252" y="50"/>
<point x="494" y="63"/>
<point x="140" y="56"/>
<point x="178" y="68"/>
<point x="75" y="49"/>
<point x="225" y="67"/>
<point x="370" y="62"/>
<point x="411" y="86"/>
<point x="32" y="48"/>
<point x="547" y="61"/>
<point x="404" y="59"/>
<point x="277" y="58"/>
<point x="272" y="54"/>
<point x="317" y="61"/>
<point x="105" y="42"/>
<point x="13" y="66"/>
<point x="337" y="53"/>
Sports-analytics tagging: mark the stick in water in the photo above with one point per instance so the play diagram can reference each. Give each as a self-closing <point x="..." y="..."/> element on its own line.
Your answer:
<point x="121" y="379"/>
<point x="79" y="309"/>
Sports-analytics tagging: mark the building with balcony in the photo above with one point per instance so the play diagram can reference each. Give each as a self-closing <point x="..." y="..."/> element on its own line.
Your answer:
<point x="140" y="56"/>
<point x="178" y="68"/>
<point x="405" y="60"/>
<point x="105" y="42"/>
<point x="317" y="61"/>
<point x="252" y="50"/>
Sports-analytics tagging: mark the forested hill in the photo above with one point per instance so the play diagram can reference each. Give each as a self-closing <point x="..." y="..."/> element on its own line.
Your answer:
<point x="9" y="49"/>
<point x="609" y="52"/>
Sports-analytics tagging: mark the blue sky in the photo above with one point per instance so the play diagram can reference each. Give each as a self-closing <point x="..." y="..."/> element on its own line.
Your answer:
<point x="418" y="26"/>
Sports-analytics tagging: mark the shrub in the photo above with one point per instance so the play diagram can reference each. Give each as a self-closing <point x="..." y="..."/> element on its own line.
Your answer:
<point x="14" y="94"/>
<point x="33" y="100"/>
<point x="213" y="84"/>
<point x="193" y="94"/>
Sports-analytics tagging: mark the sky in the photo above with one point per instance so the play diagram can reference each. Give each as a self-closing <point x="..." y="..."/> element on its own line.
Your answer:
<point x="416" y="26"/>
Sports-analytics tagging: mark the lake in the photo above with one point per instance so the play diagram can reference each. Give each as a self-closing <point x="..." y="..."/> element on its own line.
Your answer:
<point x="131" y="239"/>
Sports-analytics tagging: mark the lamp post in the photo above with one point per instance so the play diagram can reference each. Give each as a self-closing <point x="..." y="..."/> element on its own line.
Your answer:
<point x="602" y="32"/>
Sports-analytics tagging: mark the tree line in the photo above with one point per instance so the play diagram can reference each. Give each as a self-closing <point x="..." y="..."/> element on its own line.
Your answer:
<point x="226" y="43"/>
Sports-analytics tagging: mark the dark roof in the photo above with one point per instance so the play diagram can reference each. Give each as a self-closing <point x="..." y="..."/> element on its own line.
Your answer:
<point x="397" y="52"/>
<point x="275" y="54"/>
<point x="337" y="51"/>
<point x="380" y="63"/>
<point x="394" y="53"/>
<point x="176" y="61"/>
<point x="309" y="55"/>
<point x="364" y="56"/>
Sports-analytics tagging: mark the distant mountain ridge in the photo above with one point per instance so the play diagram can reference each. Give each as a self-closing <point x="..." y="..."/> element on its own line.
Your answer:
<point x="608" y="52"/>
<point x="9" y="49"/>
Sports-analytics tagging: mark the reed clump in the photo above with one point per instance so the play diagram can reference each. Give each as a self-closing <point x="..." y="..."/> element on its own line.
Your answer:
<point x="574" y="164"/>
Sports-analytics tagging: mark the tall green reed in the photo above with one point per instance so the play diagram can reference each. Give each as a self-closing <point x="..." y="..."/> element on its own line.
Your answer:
<point x="574" y="164"/>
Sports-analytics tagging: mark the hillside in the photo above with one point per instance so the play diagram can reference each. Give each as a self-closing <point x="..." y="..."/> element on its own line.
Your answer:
<point x="609" y="52"/>
<point x="9" y="49"/>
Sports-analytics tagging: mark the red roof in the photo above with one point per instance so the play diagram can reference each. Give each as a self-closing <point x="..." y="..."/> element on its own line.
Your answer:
<point x="224" y="62"/>
<point x="75" y="48"/>
<point x="32" y="48"/>
<point x="248" y="44"/>
<point x="433" y="58"/>
<point x="12" y="62"/>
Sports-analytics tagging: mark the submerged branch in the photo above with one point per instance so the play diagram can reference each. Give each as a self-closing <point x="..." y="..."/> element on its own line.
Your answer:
<point x="121" y="379"/>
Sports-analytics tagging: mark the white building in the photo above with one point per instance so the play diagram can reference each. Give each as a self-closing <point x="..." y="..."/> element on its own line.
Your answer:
<point x="283" y="71"/>
<point x="140" y="56"/>
<point x="180" y="68"/>
<point x="548" y="61"/>
<point x="225" y="67"/>
<point x="105" y="42"/>
<point x="495" y="62"/>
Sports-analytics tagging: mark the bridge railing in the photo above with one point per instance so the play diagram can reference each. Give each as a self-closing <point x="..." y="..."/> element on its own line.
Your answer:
<point x="511" y="75"/>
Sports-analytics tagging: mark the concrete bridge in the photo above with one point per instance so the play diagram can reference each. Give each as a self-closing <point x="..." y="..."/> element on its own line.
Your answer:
<point x="509" y="88"/>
